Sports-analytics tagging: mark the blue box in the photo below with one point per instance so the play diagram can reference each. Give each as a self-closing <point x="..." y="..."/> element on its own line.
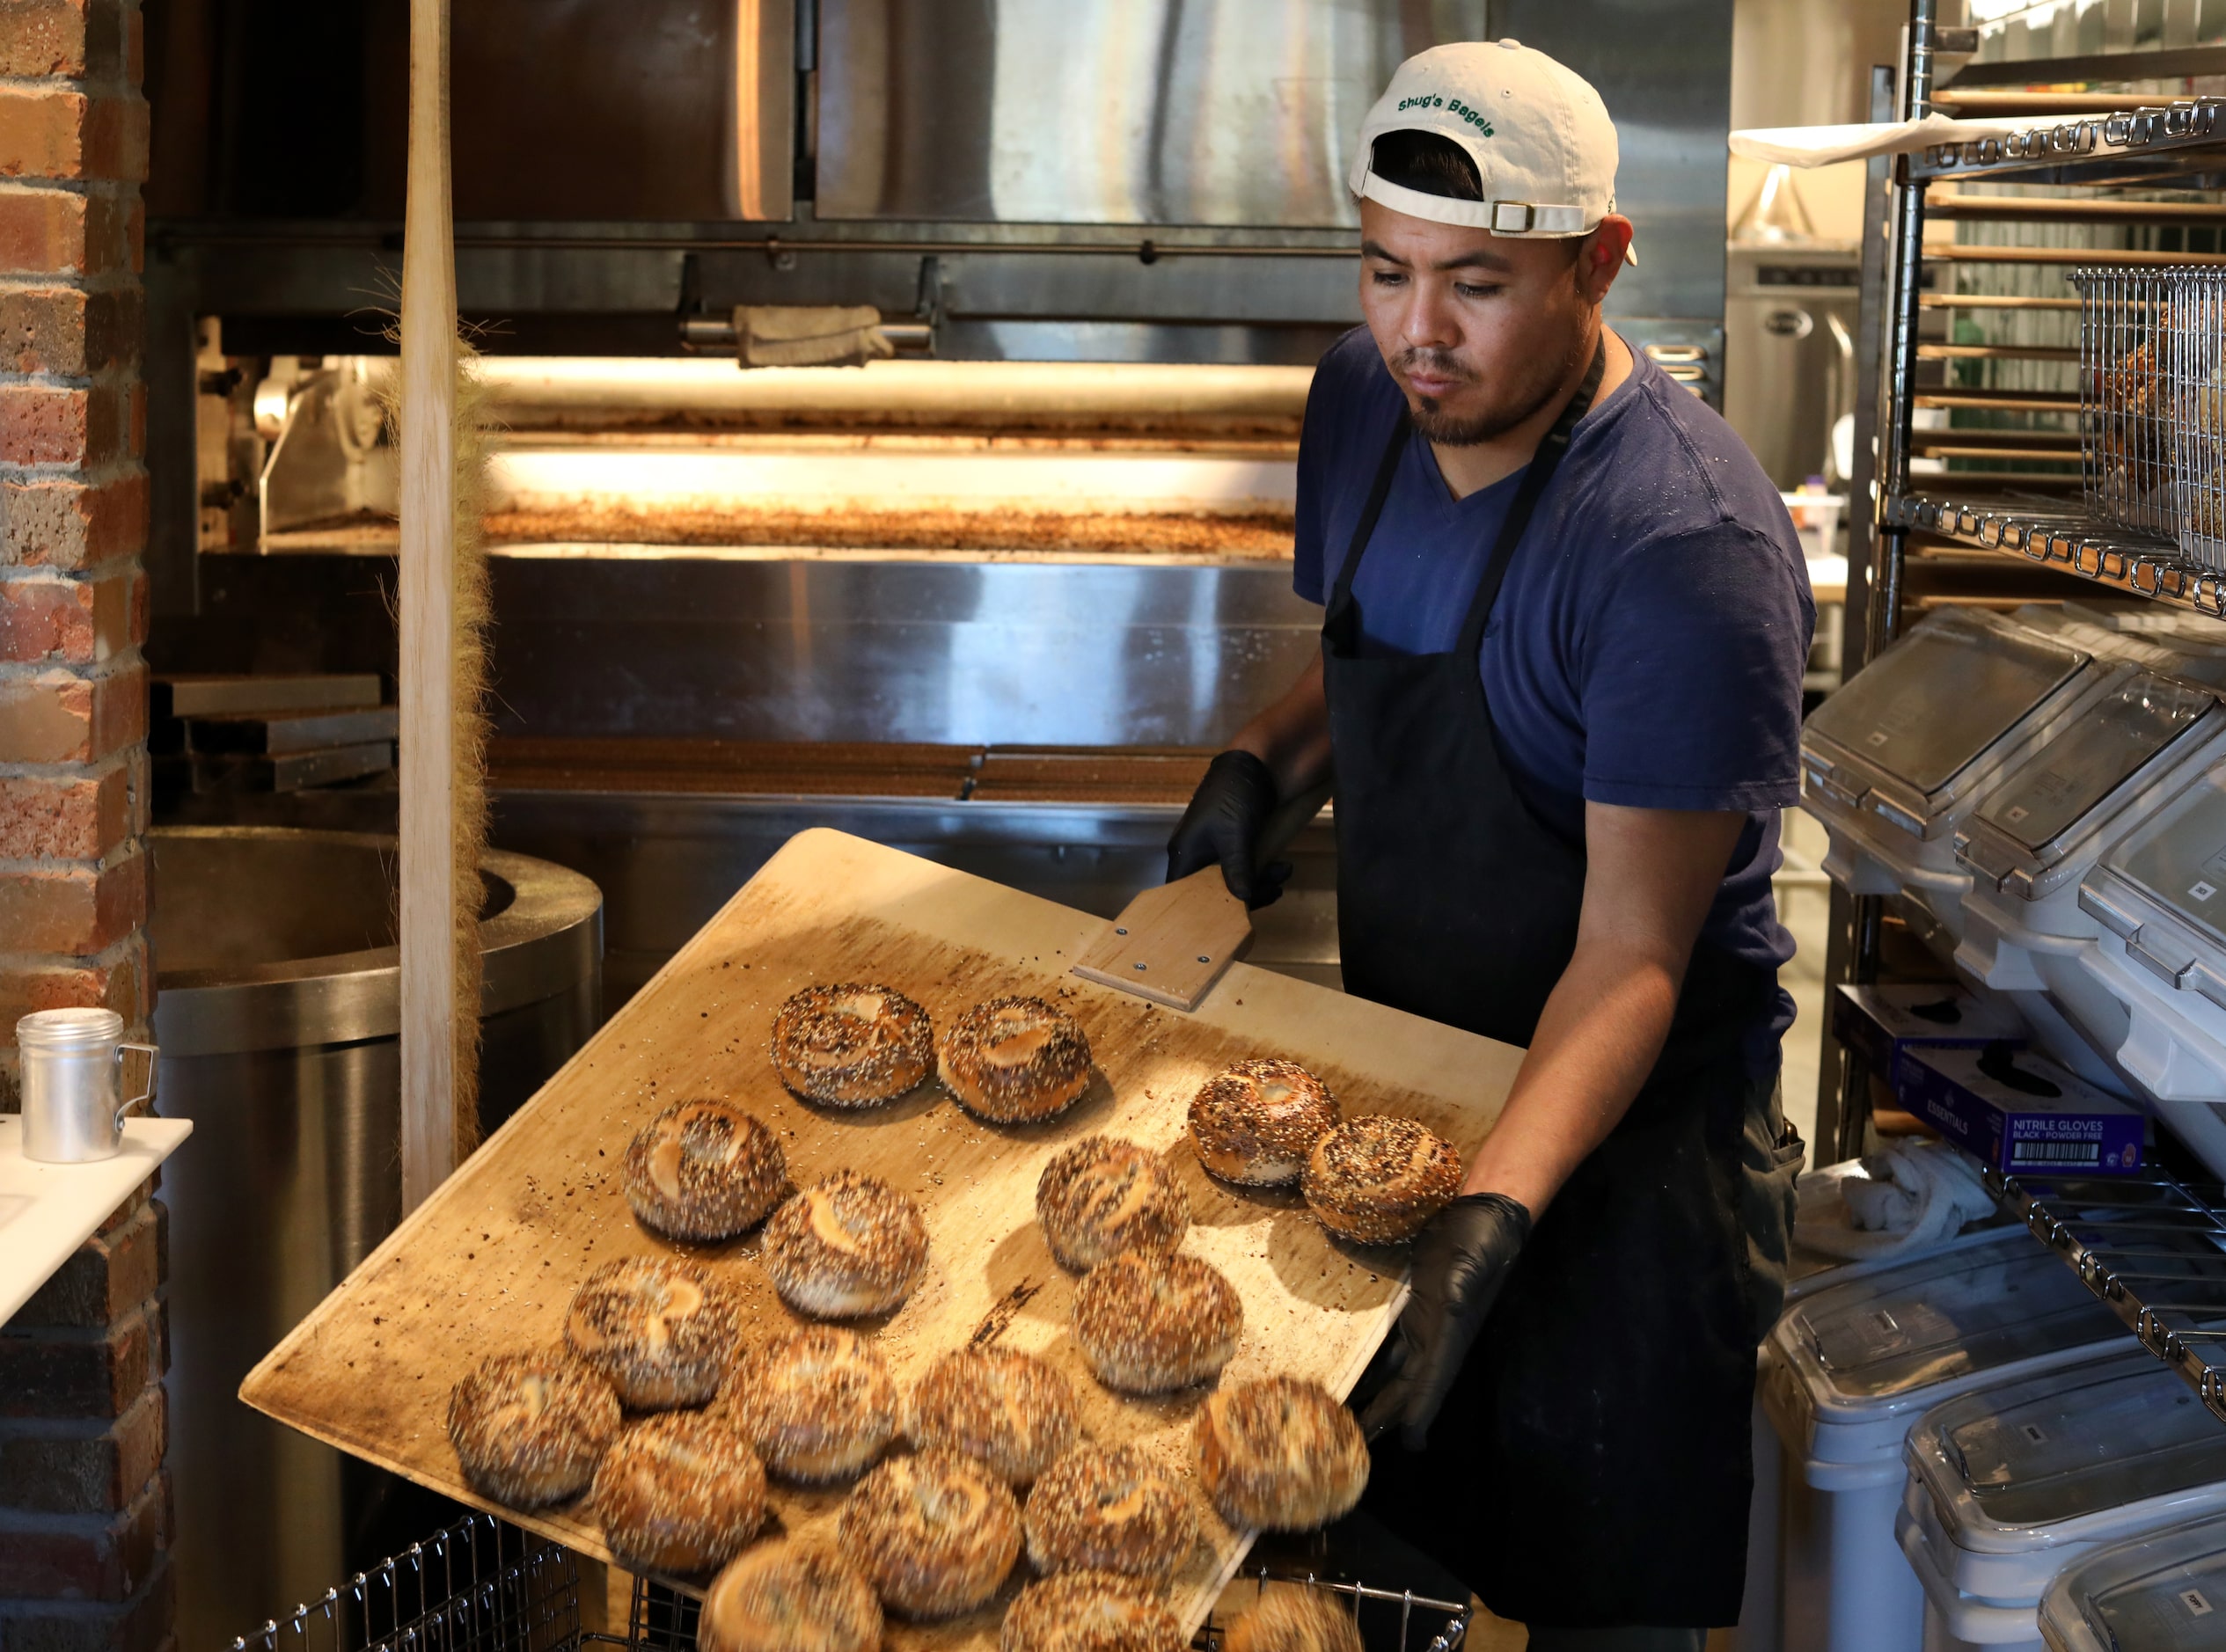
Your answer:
<point x="2019" y="1113"/>
<point x="1883" y="1024"/>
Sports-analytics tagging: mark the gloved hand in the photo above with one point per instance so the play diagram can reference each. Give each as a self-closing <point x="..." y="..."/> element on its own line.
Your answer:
<point x="1223" y="823"/>
<point x="1461" y="1262"/>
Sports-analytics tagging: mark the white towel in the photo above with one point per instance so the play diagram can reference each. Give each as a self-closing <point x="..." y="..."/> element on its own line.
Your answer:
<point x="1822" y="145"/>
<point x="1910" y="1198"/>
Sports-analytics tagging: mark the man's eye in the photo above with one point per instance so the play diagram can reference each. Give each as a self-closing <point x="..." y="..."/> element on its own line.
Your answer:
<point x="1386" y="277"/>
<point x="1467" y="290"/>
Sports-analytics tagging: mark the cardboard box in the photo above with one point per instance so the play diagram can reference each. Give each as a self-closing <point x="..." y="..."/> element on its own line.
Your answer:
<point x="2019" y="1113"/>
<point x="1883" y="1024"/>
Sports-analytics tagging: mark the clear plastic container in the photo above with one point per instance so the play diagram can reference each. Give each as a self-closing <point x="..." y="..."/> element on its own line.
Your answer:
<point x="1894" y="762"/>
<point x="2011" y="1481"/>
<point x="2164" y="1591"/>
<point x="2157" y="896"/>
<point x="1845" y="1373"/>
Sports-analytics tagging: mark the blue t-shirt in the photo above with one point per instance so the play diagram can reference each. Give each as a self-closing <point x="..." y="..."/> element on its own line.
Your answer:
<point x="1648" y="645"/>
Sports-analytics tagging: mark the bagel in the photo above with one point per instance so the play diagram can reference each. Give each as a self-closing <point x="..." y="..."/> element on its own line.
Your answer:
<point x="529" y="1429"/>
<point x="1015" y="1060"/>
<point x="935" y="1533"/>
<point x="1377" y="1180"/>
<point x="1088" y="1612"/>
<point x="1101" y="1510"/>
<point x="679" y="1493"/>
<point x="1103" y="1196"/>
<point x="1009" y="1411"/>
<point x="847" y="1246"/>
<point x="1256" y="1123"/>
<point x="852" y="1045"/>
<point x="790" y="1597"/>
<point x="1279" y="1455"/>
<point x="660" y="1330"/>
<point x="1149" y="1321"/>
<point x="818" y="1404"/>
<point x="703" y="1171"/>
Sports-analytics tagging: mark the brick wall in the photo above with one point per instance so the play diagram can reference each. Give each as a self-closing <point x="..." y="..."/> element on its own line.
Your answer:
<point x="84" y="1503"/>
<point x="73" y="515"/>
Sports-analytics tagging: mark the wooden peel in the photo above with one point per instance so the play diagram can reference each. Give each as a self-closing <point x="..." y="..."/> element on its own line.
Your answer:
<point x="428" y="621"/>
<point x="1171" y="944"/>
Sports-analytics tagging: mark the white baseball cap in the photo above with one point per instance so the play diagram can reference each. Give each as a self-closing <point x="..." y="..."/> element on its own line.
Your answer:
<point x="1539" y="133"/>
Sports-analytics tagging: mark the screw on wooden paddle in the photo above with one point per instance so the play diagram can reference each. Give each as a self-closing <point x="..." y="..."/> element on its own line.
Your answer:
<point x="1173" y="943"/>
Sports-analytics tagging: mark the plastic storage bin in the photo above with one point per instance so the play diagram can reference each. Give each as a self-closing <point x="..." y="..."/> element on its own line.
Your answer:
<point x="1892" y="763"/>
<point x="2161" y="1592"/>
<point x="1846" y="1373"/>
<point x="2035" y="834"/>
<point x="2010" y="1482"/>
<point x="1807" y="1271"/>
<point x="2158" y="899"/>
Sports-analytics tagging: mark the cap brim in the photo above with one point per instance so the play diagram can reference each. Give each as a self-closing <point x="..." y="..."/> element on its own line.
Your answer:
<point x="1630" y="254"/>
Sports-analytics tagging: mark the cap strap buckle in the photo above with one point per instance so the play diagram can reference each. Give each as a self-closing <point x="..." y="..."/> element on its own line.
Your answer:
<point x="1524" y="217"/>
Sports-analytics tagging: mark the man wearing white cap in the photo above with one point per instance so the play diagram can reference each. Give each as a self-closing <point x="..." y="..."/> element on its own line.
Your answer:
<point x="1560" y="691"/>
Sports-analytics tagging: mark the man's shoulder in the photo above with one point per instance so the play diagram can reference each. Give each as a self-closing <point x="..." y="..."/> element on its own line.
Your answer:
<point x="1685" y="478"/>
<point x="1352" y="400"/>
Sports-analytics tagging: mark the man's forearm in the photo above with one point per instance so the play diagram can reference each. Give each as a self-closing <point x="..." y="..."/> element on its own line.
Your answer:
<point x="1597" y="1040"/>
<point x="1291" y="736"/>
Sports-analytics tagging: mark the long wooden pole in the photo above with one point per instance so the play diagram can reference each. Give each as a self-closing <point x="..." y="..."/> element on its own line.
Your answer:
<point x="427" y="433"/>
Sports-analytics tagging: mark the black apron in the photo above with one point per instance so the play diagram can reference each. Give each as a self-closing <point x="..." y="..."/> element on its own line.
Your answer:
<point x="1590" y="1465"/>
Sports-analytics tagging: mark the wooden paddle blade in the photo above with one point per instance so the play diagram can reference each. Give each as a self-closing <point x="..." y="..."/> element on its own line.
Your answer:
<point x="1172" y="943"/>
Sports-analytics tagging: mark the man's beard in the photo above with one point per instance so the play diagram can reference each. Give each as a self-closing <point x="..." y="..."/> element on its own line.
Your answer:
<point x="1518" y="402"/>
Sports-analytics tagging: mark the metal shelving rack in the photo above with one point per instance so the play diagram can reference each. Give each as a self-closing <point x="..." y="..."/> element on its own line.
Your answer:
<point x="1985" y="533"/>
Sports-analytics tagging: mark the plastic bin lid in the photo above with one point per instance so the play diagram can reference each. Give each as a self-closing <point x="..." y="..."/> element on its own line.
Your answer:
<point x="2029" y="1464"/>
<point x="2070" y="788"/>
<point x="2165" y="1592"/>
<point x="1875" y="1344"/>
<point x="2171" y="868"/>
<point x="1929" y="706"/>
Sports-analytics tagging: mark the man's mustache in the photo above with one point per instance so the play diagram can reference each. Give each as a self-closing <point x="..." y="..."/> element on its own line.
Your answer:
<point x="1436" y="363"/>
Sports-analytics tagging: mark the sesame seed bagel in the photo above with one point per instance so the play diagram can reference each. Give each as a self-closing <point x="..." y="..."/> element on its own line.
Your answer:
<point x="1377" y="1180"/>
<point x="1279" y="1455"/>
<point x="1088" y="1612"/>
<point x="529" y="1427"/>
<point x="703" y="1170"/>
<point x="1009" y="1411"/>
<point x="790" y="1597"/>
<point x="1293" y="1617"/>
<point x="1013" y="1061"/>
<point x="1101" y="1510"/>
<point x="852" y="1045"/>
<point x="1103" y="1196"/>
<point x="934" y="1533"/>
<point x="680" y="1493"/>
<point x="660" y="1330"/>
<point x="818" y="1405"/>
<point x="846" y="1246"/>
<point x="1149" y="1321"/>
<point x="1256" y="1123"/>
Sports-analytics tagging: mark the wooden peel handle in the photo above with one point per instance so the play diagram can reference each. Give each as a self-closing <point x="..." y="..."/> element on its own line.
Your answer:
<point x="1172" y="943"/>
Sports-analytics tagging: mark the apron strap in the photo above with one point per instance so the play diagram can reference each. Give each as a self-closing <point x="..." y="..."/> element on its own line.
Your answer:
<point x="1541" y="471"/>
<point x="1378" y="491"/>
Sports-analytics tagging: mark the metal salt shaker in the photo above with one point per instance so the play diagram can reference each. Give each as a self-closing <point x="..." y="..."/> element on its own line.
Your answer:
<point x="72" y="1075"/>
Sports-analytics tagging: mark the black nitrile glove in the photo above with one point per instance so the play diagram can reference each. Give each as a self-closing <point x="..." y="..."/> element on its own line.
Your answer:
<point x="1227" y="814"/>
<point x="1461" y="1261"/>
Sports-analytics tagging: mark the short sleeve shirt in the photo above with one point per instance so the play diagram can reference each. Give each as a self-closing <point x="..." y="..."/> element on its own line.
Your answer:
<point x="1648" y="645"/>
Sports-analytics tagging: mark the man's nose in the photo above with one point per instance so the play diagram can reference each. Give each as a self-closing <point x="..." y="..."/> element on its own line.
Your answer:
<point x="1429" y="322"/>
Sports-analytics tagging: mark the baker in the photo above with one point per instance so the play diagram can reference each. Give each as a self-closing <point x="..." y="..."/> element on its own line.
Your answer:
<point x="1559" y="689"/>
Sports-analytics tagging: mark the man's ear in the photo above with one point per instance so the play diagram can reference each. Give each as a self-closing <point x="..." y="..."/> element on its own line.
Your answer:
<point x="1600" y="260"/>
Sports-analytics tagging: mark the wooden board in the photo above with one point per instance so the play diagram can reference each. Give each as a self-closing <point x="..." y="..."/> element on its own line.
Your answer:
<point x="490" y="1262"/>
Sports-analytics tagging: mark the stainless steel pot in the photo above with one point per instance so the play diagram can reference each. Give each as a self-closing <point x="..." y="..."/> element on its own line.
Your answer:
<point x="277" y="1016"/>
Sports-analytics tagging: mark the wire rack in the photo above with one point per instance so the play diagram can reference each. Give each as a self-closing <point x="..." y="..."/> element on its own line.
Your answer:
<point x="664" y="1621"/>
<point x="477" y="1586"/>
<point x="2153" y="1247"/>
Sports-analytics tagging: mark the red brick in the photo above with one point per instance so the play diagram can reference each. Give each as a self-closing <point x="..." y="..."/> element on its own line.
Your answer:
<point x="56" y="424"/>
<point x="85" y="1558"/>
<point x="118" y="979"/>
<point x="50" y="1374"/>
<point x="73" y="912"/>
<point x="59" y="521"/>
<point x="135" y="47"/>
<point x="65" y="817"/>
<point x="74" y="38"/>
<point x="105" y="1278"/>
<point x="94" y="1468"/>
<point x="64" y="232"/>
<point x="68" y="330"/>
<point x="54" y="132"/>
<point x="47" y="617"/>
<point x="141" y="1624"/>
<point x="60" y="717"/>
